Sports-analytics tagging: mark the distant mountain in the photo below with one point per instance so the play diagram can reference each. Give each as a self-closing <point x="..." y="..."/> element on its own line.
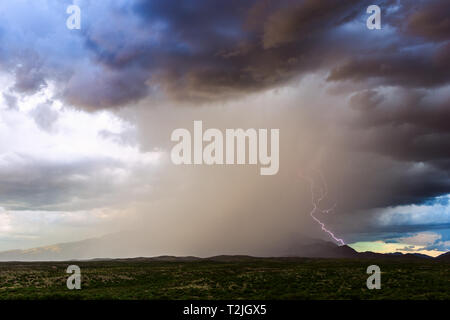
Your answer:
<point x="321" y="249"/>
<point x="101" y="249"/>
<point x="110" y="246"/>
<point x="444" y="256"/>
<point x="62" y="251"/>
<point x="326" y="249"/>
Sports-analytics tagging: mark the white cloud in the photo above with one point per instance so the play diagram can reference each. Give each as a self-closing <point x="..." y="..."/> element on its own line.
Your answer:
<point x="435" y="212"/>
<point x="421" y="239"/>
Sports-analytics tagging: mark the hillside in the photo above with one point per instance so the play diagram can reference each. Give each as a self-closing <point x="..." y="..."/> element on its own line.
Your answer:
<point x="100" y="249"/>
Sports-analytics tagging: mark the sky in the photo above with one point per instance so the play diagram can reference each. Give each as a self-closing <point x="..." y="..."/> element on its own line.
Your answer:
<point x="86" y="117"/>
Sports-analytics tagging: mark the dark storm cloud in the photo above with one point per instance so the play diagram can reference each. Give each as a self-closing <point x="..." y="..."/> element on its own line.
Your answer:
<point x="417" y="54"/>
<point x="302" y="19"/>
<point x="366" y="99"/>
<point x="430" y="21"/>
<point x="205" y="51"/>
<point x="221" y="49"/>
<point x="409" y="128"/>
<point x="273" y="42"/>
<point x="404" y="69"/>
<point x="106" y="88"/>
<point x="409" y="125"/>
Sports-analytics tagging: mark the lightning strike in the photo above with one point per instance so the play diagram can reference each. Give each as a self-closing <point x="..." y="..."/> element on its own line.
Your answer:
<point x="315" y="203"/>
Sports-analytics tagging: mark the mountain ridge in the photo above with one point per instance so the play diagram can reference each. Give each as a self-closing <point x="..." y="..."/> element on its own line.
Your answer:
<point x="97" y="249"/>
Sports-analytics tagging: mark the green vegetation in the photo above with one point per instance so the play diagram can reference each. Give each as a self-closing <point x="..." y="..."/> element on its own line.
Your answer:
<point x="239" y="279"/>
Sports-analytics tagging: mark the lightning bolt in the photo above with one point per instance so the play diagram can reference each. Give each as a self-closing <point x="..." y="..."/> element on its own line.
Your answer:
<point x="316" y="202"/>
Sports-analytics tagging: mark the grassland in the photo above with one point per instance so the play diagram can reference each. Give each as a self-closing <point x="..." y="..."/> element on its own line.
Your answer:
<point x="240" y="279"/>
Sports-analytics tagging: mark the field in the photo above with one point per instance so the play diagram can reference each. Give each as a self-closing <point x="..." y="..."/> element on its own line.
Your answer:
<point x="243" y="278"/>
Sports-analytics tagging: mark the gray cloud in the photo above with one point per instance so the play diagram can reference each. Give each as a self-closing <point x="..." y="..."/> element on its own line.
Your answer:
<point x="29" y="75"/>
<point x="430" y="21"/>
<point x="416" y="70"/>
<point x="44" y="116"/>
<point x="37" y="185"/>
<point x="11" y="100"/>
